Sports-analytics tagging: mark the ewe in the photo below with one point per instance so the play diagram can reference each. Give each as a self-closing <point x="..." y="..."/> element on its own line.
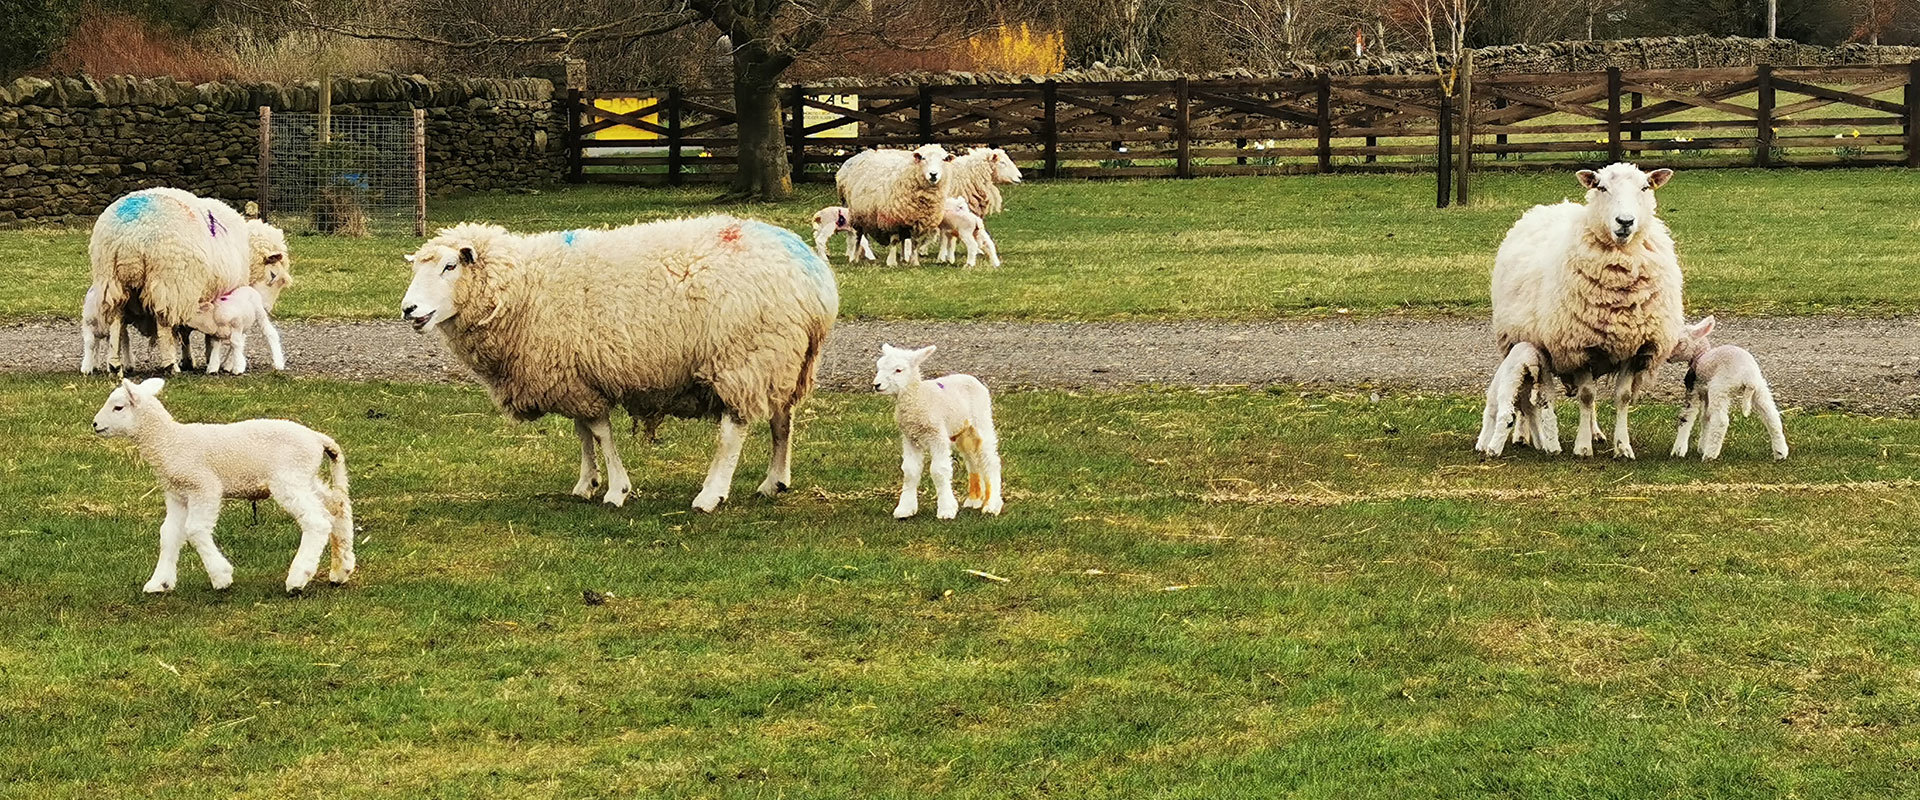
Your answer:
<point x="831" y="220"/>
<point x="199" y="464"/>
<point x="935" y="415"/>
<point x="1596" y="287"/>
<point x="895" y="196"/>
<point x="976" y="176"/>
<point x="1716" y="376"/>
<point x="713" y="318"/>
<point x="1522" y="392"/>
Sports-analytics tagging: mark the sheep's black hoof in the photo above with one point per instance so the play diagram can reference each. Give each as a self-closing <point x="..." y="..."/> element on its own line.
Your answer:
<point x="296" y="592"/>
<point x="780" y="488"/>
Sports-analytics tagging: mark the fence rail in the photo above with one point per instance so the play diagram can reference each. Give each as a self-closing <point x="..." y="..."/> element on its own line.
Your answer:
<point x="1762" y="116"/>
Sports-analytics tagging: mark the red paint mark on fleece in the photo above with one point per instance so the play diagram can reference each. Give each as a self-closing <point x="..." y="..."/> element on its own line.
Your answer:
<point x="730" y="236"/>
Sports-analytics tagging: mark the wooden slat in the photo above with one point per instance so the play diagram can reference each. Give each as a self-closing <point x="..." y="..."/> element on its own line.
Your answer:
<point x="1677" y="101"/>
<point x="1836" y="95"/>
<point x="1817" y="102"/>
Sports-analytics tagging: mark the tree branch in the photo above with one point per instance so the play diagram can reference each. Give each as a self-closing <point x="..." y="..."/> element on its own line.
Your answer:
<point x="662" y="23"/>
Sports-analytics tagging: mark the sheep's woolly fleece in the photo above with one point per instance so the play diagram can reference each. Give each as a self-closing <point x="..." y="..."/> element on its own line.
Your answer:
<point x="170" y="250"/>
<point x="887" y="194"/>
<point x="975" y="177"/>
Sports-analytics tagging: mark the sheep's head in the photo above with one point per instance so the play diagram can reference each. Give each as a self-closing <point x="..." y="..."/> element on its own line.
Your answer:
<point x="1620" y="200"/>
<point x="932" y="161"/>
<point x="898" y="368"/>
<point x="270" y="287"/>
<point x="269" y="248"/>
<point x="437" y="269"/>
<point x="830" y="219"/>
<point x="1004" y="170"/>
<point x="1693" y="342"/>
<point x="116" y="416"/>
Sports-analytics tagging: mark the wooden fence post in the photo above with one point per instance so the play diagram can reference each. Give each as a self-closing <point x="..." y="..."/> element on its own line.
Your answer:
<point x="1615" y="151"/>
<point x="1326" y="122"/>
<point x="1444" y="162"/>
<point x="797" y="134"/>
<point x="1763" y="120"/>
<point x="1913" y="114"/>
<point x="1182" y="128"/>
<point x="1466" y="127"/>
<point x="576" y="172"/>
<point x="1638" y="100"/>
<point x="266" y="160"/>
<point x="419" y="172"/>
<point x="674" y="164"/>
<point x="1049" y="123"/>
<point x="926" y="115"/>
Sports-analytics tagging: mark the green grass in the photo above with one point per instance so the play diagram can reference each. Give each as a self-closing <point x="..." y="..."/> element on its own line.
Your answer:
<point x="1210" y="594"/>
<point x="1752" y="242"/>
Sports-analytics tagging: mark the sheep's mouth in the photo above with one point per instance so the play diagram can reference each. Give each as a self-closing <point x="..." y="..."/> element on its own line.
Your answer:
<point x="420" y="322"/>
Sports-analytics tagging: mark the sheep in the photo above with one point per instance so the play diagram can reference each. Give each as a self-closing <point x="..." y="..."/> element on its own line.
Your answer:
<point x="200" y="464"/>
<point x="1597" y="287"/>
<point x="710" y="317"/>
<point x="1519" y="404"/>
<point x="895" y="196"/>
<point x="831" y="220"/>
<point x="975" y="177"/>
<point x="934" y="415"/>
<point x="264" y="294"/>
<point x="1716" y="376"/>
<point x="961" y="224"/>
<point x="226" y="319"/>
<point x="160" y="252"/>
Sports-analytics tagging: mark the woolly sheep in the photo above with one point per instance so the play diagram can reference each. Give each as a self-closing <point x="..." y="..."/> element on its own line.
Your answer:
<point x="200" y="464"/>
<point x="976" y="176"/>
<point x="1716" y="376"/>
<point x="712" y="317"/>
<point x="1597" y="287"/>
<point x="831" y="220"/>
<point x="934" y="416"/>
<point x="162" y="251"/>
<point x="1520" y="404"/>
<point x="895" y="196"/>
<point x="962" y="225"/>
<point x="226" y="319"/>
<point x="94" y="330"/>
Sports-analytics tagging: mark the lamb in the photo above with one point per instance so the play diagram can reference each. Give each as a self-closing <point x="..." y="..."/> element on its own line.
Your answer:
<point x="831" y="220"/>
<point x="976" y="178"/>
<point x="710" y="317"/>
<point x="200" y="464"/>
<point x="934" y="415"/>
<point x="961" y="224"/>
<point x="895" y="196"/>
<point x="226" y="319"/>
<point x="160" y="252"/>
<point x="1716" y="376"/>
<point x="1520" y="404"/>
<point x="1595" y="286"/>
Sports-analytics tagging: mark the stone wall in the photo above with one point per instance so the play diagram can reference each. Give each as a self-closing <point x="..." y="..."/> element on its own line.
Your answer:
<point x="69" y="146"/>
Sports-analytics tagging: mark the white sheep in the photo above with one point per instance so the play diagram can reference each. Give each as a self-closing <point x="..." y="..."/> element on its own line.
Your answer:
<point x="1595" y="286"/>
<point x="200" y="464"/>
<point x="976" y="177"/>
<point x="831" y="220"/>
<point x="226" y="319"/>
<point x="160" y="252"/>
<point x="712" y="317"/>
<point x="962" y="225"/>
<point x="935" y="416"/>
<point x="1717" y="376"/>
<point x="895" y="196"/>
<point x="1520" y="404"/>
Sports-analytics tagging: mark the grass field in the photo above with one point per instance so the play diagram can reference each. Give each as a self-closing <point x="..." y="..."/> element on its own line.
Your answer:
<point x="1752" y="242"/>
<point x="1209" y="594"/>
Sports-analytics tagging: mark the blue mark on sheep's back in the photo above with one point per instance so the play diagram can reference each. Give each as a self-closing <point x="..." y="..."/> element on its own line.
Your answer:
<point x="801" y="252"/>
<point x="568" y="237"/>
<point x="131" y="207"/>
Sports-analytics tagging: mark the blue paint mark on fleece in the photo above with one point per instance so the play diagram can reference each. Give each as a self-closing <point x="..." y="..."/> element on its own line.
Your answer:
<point x="568" y="237"/>
<point x="801" y="252"/>
<point x="131" y="207"/>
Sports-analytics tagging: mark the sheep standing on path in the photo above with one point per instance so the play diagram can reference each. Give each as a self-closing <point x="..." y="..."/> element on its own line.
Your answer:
<point x="1519" y="404"/>
<point x="1595" y="286"/>
<point x="1716" y="376"/>
<point x="201" y="464"/>
<point x="935" y="416"/>
<point x="712" y="317"/>
<point x="895" y="196"/>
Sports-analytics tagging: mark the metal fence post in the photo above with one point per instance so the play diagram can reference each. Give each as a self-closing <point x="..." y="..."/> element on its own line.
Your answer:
<point x="419" y="172"/>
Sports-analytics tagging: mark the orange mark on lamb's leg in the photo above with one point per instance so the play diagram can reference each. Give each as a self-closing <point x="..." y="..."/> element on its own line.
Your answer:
<point x="975" y="489"/>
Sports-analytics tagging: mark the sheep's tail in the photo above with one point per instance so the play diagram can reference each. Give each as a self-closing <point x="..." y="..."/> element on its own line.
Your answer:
<point x="809" y="365"/>
<point x="332" y="452"/>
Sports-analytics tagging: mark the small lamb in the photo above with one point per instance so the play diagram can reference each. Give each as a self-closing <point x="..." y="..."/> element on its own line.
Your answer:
<point x="831" y="220"/>
<point x="935" y="415"/>
<point x="1716" y="376"/>
<point x="226" y="319"/>
<point x="961" y="224"/>
<point x="200" y="464"/>
<point x="1522" y="391"/>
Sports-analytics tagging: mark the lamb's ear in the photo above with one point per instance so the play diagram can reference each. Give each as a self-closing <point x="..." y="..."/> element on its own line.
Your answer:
<point x="1703" y="327"/>
<point x="920" y="356"/>
<point x="129" y="387"/>
<point x="151" y="387"/>
<point x="407" y="258"/>
<point x="466" y="254"/>
<point x="1659" y="178"/>
<point x="918" y="157"/>
<point x="1588" y="178"/>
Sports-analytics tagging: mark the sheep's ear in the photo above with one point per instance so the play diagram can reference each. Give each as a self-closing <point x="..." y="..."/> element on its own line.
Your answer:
<point x="994" y="156"/>
<point x="949" y="156"/>
<point x="920" y="356"/>
<point x="1588" y="178"/>
<point x="1704" y="327"/>
<point x="407" y="258"/>
<point x="151" y="387"/>
<point x="918" y="157"/>
<point x="129" y="387"/>
<point x="275" y="258"/>
<point x="466" y="255"/>
<point x="1659" y="178"/>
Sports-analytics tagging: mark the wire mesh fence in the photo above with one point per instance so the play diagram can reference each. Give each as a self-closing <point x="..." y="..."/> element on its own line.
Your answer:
<point x="347" y="175"/>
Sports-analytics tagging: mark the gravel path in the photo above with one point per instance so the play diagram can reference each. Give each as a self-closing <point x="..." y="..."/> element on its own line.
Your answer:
<point x="1866" y="365"/>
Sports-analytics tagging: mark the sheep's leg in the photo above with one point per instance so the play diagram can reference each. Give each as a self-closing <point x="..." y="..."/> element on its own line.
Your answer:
<point x="116" y="339"/>
<point x="940" y="463"/>
<point x="973" y="251"/>
<point x="1546" y="425"/>
<point x="911" y="459"/>
<point x="340" y="507"/>
<point x="780" y="468"/>
<point x="219" y="569"/>
<point x="173" y="534"/>
<point x="1489" y="412"/>
<point x="1584" y="392"/>
<point x="86" y="350"/>
<point x="218" y="347"/>
<point x="969" y="447"/>
<point x="167" y="348"/>
<point x="989" y="459"/>
<point x="993" y="250"/>
<point x="726" y="457"/>
<point x="1719" y="414"/>
<point x="866" y="249"/>
<point x="618" y="487"/>
<point x="1688" y="416"/>
<point x="893" y="247"/>
<point x="186" y="346"/>
<point x="237" y="357"/>
<point x="1625" y="382"/>
<point x="1770" y="414"/>
<point x="273" y="344"/>
<point x="589" y="464"/>
<point x="301" y="498"/>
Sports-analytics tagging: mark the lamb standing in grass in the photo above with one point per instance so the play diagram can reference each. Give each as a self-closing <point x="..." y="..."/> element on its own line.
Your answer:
<point x="1519" y="404"/>
<point x="1595" y="286"/>
<point x="200" y="464"/>
<point x="895" y="196"/>
<point x="934" y="416"/>
<point x="831" y="220"/>
<point x="1716" y="376"/>
<point x="961" y="224"/>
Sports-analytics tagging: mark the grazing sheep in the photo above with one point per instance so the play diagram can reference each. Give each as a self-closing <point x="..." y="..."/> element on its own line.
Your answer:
<point x="200" y="464"/>
<point x="226" y="319"/>
<point x="1520" y="404"/>
<point x="961" y="224"/>
<point x="831" y="220"/>
<point x="976" y="178"/>
<point x="1716" y="376"/>
<point x="934" y="416"/>
<point x="160" y="252"/>
<point x="1597" y="287"/>
<point x="712" y="317"/>
<point x="895" y="196"/>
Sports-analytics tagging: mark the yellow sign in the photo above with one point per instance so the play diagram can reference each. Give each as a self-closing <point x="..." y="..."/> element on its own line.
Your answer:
<point x="819" y="116"/>
<point x="628" y="105"/>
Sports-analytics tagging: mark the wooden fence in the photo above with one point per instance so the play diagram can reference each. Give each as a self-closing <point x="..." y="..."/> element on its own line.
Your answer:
<point x="1744" y="116"/>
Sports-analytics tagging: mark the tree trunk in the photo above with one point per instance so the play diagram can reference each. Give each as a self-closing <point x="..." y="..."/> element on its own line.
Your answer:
<point x="763" y="169"/>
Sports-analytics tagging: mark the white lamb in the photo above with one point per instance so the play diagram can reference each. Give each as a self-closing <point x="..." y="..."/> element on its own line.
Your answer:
<point x="831" y="220"/>
<point x="713" y="317"/>
<point x="962" y="225"/>
<point x="200" y="464"/>
<point x="226" y="319"/>
<point x="934" y="416"/>
<point x="1595" y="286"/>
<point x="1716" y="376"/>
<point x="895" y="196"/>
<point x="1520" y="404"/>
<point x="976" y="177"/>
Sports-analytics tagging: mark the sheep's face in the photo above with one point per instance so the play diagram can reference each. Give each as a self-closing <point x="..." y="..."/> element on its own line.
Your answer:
<point x="269" y="246"/>
<point x="1620" y="200"/>
<point x="898" y="368"/>
<point x="116" y="416"/>
<point x="436" y="269"/>
<point x="830" y="220"/>
<point x="1693" y="341"/>
<point x="932" y="161"/>
<point x="271" y="286"/>
<point x="1004" y="170"/>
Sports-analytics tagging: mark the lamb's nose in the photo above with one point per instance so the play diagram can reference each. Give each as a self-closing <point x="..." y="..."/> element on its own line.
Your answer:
<point x="407" y="312"/>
